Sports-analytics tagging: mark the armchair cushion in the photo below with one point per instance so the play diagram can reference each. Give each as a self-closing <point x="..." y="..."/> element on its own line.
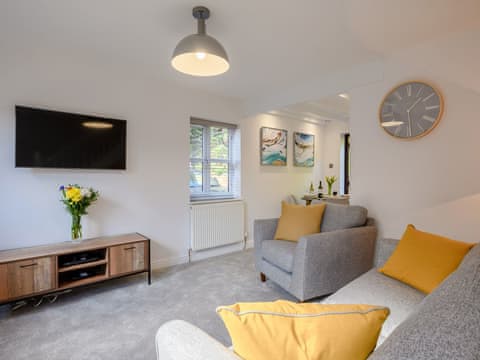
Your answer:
<point x="279" y="253"/>
<point x="338" y="217"/>
<point x="298" y="220"/>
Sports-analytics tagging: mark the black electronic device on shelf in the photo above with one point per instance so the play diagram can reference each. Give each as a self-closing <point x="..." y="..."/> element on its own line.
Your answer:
<point x="80" y="274"/>
<point x="81" y="258"/>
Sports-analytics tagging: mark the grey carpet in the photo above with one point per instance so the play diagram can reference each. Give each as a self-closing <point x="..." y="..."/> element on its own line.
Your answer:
<point x="118" y="319"/>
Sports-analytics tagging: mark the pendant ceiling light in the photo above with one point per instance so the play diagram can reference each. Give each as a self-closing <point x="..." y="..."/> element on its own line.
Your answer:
<point x="200" y="54"/>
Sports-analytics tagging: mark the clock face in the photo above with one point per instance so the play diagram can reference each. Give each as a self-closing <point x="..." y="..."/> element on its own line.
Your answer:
<point x="411" y="110"/>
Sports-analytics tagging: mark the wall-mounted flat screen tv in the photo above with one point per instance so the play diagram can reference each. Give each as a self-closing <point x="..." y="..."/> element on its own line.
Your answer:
<point x="54" y="139"/>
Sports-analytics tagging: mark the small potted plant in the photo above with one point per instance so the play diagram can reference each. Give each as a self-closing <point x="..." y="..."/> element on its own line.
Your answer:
<point x="77" y="199"/>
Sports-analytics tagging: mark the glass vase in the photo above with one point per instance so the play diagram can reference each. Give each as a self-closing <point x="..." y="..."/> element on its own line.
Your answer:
<point x="76" y="227"/>
<point x="329" y="187"/>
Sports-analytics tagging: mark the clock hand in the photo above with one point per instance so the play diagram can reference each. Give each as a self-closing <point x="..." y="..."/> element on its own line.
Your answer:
<point x="415" y="103"/>
<point x="408" y="115"/>
<point x="409" y="123"/>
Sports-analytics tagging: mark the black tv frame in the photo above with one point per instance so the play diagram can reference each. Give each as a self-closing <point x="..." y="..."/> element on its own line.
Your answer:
<point x="79" y="118"/>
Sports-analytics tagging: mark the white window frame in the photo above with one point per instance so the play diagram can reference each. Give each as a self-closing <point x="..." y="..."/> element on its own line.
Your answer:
<point x="206" y="161"/>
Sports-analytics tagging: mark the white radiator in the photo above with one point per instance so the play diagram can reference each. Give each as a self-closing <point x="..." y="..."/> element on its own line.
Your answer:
<point x="216" y="224"/>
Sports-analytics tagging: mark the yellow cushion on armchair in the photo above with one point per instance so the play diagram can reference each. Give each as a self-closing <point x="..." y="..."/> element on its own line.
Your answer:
<point x="298" y="220"/>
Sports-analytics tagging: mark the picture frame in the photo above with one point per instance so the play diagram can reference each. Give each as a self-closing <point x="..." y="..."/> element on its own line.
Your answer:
<point x="303" y="149"/>
<point x="273" y="146"/>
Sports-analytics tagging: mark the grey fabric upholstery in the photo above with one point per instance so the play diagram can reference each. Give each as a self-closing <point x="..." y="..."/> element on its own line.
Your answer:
<point x="447" y="323"/>
<point x="180" y="340"/>
<point x="262" y="230"/>
<point x="337" y="217"/>
<point x="384" y="250"/>
<point x="319" y="264"/>
<point x="277" y="275"/>
<point x="377" y="289"/>
<point x="279" y="253"/>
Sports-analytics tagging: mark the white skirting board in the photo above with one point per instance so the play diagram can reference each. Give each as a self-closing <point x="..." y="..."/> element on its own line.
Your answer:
<point x="199" y="255"/>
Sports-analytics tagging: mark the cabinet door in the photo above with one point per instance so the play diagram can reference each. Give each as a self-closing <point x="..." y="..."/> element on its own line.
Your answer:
<point x="3" y="282"/>
<point x="29" y="276"/>
<point x="127" y="258"/>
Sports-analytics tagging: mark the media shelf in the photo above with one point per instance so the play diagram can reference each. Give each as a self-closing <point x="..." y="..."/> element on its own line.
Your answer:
<point x="83" y="257"/>
<point x="40" y="270"/>
<point x="71" y="278"/>
<point x="81" y="266"/>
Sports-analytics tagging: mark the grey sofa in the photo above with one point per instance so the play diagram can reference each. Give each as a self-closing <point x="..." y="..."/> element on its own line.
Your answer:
<point x="443" y="325"/>
<point x="319" y="264"/>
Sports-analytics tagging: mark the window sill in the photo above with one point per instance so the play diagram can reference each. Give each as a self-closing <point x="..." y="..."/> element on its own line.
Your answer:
<point x="213" y="201"/>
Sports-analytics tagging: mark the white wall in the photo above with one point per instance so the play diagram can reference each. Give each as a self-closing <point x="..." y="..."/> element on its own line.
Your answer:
<point x="150" y="197"/>
<point x="433" y="182"/>
<point x="264" y="187"/>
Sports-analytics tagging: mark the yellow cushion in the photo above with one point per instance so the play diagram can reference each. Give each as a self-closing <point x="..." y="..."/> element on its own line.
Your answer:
<point x="299" y="220"/>
<point x="285" y="330"/>
<point x="423" y="260"/>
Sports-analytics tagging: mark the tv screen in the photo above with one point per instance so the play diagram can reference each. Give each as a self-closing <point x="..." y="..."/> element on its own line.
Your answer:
<point x="54" y="139"/>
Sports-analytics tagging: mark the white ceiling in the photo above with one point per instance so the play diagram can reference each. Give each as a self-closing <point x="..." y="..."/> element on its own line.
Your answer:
<point x="272" y="44"/>
<point x="330" y="108"/>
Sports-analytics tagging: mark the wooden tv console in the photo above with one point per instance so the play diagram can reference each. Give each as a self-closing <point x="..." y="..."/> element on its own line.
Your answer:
<point x="40" y="270"/>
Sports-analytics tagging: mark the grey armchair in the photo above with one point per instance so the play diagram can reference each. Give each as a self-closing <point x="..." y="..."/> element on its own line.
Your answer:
<point x="318" y="264"/>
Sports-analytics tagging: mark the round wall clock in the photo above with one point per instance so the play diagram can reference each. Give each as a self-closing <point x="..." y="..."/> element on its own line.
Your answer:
<point x="411" y="110"/>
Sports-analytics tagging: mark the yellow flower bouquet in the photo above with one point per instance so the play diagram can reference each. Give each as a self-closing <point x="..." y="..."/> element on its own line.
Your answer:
<point x="77" y="199"/>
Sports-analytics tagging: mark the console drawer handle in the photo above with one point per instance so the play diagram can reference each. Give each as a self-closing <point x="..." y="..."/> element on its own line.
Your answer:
<point x="29" y="265"/>
<point x="129" y="248"/>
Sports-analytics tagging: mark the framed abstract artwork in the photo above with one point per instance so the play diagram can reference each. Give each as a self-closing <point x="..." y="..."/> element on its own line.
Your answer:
<point x="303" y="149"/>
<point x="273" y="146"/>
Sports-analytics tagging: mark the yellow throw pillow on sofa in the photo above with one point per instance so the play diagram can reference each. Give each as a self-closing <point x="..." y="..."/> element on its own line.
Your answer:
<point x="286" y="330"/>
<point x="299" y="220"/>
<point x="423" y="260"/>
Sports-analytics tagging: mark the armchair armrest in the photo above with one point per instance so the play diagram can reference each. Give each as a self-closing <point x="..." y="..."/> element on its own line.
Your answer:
<point x="325" y="262"/>
<point x="180" y="340"/>
<point x="263" y="229"/>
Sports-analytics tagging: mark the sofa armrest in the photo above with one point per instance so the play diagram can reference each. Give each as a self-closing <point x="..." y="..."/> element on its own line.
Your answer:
<point x="325" y="262"/>
<point x="384" y="250"/>
<point x="180" y="340"/>
<point x="263" y="229"/>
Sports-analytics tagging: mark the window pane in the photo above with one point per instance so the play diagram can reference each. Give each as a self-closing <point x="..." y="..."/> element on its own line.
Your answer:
<point x="218" y="177"/>
<point x="196" y="179"/>
<point x="218" y="143"/>
<point x="196" y="142"/>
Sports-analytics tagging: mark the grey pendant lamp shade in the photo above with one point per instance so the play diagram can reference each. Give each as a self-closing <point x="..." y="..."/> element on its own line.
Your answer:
<point x="200" y="54"/>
